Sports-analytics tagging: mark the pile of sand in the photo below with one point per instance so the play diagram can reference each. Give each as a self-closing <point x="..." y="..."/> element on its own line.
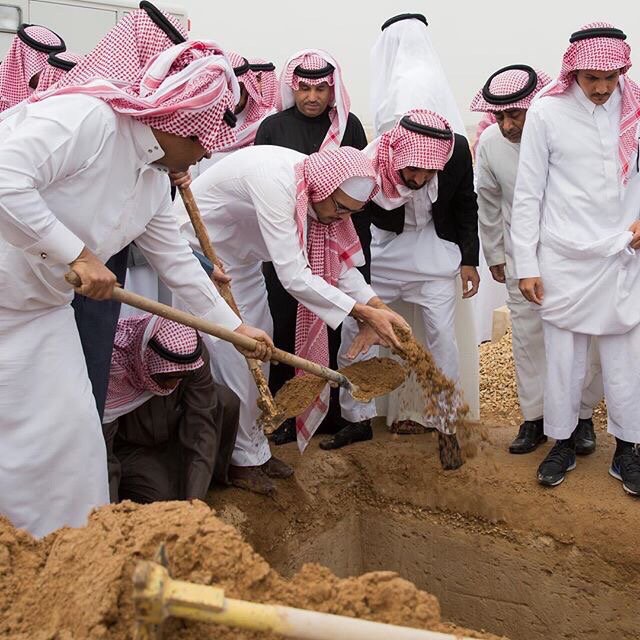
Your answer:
<point x="76" y="583"/>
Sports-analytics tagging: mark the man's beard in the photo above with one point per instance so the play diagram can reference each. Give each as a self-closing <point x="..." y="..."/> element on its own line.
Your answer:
<point x="411" y="184"/>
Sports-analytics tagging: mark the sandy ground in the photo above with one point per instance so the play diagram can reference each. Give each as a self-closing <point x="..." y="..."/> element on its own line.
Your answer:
<point x="499" y="551"/>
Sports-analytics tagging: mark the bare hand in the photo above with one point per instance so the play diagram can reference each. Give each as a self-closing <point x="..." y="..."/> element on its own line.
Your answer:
<point x="469" y="275"/>
<point x="635" y="229"/>
<point x="381" y="321"/>
<point x="180" y="179"/>
<point x="97" y="280"/>
<point x="497" y="272"/>
<point x="218" y="276"/>
<point x="532" y="289"/>
<point x="264" y="347"/>
<point x="363" y="341"/>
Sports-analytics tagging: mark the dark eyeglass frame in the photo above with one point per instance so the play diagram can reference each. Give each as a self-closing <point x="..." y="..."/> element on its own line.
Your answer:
<point x="341" y="209"/>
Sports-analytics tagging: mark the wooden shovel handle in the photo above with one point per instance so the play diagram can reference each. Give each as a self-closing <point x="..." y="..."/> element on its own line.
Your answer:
<point x="165" y="311"/>
<point x="205" y="244"/>
<point x="269" y="408"/>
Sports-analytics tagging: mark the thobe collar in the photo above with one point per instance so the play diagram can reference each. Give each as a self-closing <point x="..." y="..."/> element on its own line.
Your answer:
<point x="148" y="149"/>
<point x="612" y="103"/>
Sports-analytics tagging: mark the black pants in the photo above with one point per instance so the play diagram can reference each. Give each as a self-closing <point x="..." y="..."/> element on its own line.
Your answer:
<point x="97" y="321"/>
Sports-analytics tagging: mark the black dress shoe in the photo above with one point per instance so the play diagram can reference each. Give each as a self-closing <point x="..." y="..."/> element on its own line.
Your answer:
<point x="353" y="432"/>
<point x="286" y="432"/>
<point x="585" y="437"/>
<point x="559" y="460"/>
<point x="530" y="436"/>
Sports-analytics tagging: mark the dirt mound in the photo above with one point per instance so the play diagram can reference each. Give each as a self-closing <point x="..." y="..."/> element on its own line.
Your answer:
<point x="76" y="583"/>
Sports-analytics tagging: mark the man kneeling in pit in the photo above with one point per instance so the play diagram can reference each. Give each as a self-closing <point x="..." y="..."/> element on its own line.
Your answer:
<point x="169" y="429"/>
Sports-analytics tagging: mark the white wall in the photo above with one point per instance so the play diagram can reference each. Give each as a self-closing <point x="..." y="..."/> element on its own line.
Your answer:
<point x="473" y="38"/>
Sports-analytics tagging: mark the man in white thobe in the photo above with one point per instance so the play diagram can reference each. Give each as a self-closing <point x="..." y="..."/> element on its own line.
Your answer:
<point x="407" y="74"/>
<point x="79" y="180"/>
<point x="507" y="95"/>
<point x="575" y="232"/>
<point x="410" y="161"/>
<point x="274" y="204"/>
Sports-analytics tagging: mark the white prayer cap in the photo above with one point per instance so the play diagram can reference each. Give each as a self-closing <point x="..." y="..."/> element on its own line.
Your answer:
<point x="358" y="188"/>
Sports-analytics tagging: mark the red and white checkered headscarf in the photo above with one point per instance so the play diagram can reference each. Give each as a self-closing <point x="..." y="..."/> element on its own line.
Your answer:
<point x="262" y="87"/>
<point x="23" y="61"/>
<point x="314" y="59"/>
<point x="54" y="71"/>
<point x="401" y="147"/>
<point x="510" y="81"/>
<point x="124" y="52"/>
<point x="185" y="90"/>
<point x="485" y="122"/>
<point x="605" y="54"/>
<point x="329" y="248"/>
<point x="146" y="345"/>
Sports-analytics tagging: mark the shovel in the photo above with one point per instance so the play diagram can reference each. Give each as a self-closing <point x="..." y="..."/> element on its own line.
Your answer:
<point x="270" y="417"/>
<point x="157" y="308"/>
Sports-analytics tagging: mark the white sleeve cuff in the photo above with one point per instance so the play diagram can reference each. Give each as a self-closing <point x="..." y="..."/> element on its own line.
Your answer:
<point x="365" y="294"/>
<point x="59" y="246"/>
<point x="222" y="314"/>
<point x="527" y="268"/>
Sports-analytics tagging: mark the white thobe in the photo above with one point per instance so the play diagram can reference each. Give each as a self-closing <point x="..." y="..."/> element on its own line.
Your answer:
<point x="73" y="173"/>
<point x="569" y="226"/>
<point x="420" y="268"/>
<point x="247" y="203"/>
<point x="496" y="171"/>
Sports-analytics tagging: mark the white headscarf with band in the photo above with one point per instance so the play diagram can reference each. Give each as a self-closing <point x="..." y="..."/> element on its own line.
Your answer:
<point x="329" y="248"/>
<point x="590" y="48"/>
<point x="407" y="74"/>
<point x="315" y="60"/>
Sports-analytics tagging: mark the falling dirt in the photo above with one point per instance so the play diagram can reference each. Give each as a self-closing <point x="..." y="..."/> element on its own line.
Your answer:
<point x="374" y="377"/>
<point x="443" y="399"/>
<point x="76" y="584"/>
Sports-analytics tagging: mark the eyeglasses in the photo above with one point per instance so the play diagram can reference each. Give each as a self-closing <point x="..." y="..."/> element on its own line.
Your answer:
<point x="341" y="209"/>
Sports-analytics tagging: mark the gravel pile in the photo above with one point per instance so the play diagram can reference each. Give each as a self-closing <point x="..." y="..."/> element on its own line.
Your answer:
<point x="498" y="392"/>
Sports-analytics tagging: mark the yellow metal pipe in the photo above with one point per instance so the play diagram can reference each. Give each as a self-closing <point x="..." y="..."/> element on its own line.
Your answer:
<point x="158" y="597"/>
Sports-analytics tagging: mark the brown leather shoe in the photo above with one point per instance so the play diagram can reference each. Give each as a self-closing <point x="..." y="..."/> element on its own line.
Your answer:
<point x="276" y="468"/>
<point x="252" y="479"/>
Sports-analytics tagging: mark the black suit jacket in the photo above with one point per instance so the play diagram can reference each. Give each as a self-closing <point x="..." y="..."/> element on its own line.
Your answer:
<point x="455" y="212"/>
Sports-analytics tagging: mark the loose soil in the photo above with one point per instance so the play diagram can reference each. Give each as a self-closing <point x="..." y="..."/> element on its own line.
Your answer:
<point x="373" y="378"/>
<point x="498" y="551"/>
<point x="77" y="583"/>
